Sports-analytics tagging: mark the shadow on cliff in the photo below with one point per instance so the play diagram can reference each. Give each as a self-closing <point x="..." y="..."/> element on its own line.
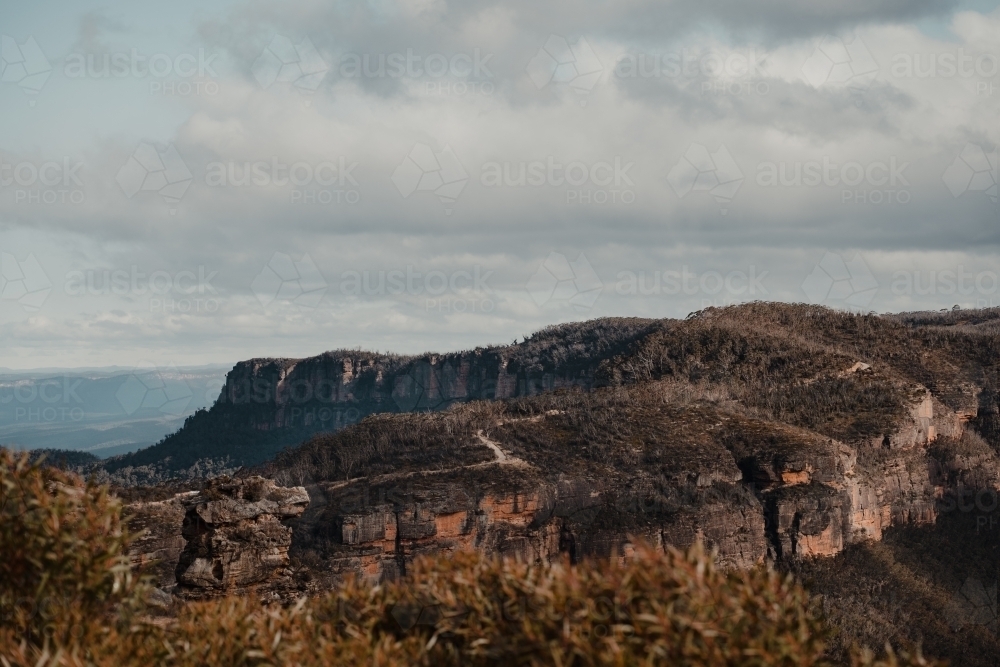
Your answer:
<point x="934" y="584"/>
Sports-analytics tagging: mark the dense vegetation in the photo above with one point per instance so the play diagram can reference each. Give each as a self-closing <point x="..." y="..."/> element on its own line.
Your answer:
<point x="202" y="439"/>
<point x="661" y="428"/>
<point x="238" y="430"/>
<point x="389" y="443"/>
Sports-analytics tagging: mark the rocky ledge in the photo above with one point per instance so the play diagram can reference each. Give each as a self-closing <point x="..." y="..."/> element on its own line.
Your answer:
<point x="234" y="535"/>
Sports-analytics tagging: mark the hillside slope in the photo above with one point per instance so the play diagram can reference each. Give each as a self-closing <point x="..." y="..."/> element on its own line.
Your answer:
<point x="860" y="451"/>
<point x="786" y="361"/>
<point x="267" y="405"/>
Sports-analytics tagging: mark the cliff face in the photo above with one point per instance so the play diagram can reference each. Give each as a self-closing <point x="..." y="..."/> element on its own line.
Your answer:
<point x="234" y="535"/>
<point x="230" y="536"/>
<point x="333" y="389"/>
<point x="791" y="494"/>
<point x="762" y="355"/>
<point x="336" y="389"/>
<point x="770" y="439"/>
<point x="159" y="543"/>
<point x="823" y="501"/>
<point x="267" y="405"/>
<point x="538" y="525"/>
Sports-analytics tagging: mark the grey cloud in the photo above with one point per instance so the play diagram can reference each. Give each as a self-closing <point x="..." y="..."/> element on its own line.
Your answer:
<point x="509" y="230"/>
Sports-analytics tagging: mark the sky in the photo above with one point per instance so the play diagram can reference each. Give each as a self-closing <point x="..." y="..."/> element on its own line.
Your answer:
<point x="203" y="182"/>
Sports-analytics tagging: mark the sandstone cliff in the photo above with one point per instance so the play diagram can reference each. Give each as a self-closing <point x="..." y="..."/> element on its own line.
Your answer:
<point x="227" y="538"/>
<point x="791" y="494"/>
<point x="771" y="439"/>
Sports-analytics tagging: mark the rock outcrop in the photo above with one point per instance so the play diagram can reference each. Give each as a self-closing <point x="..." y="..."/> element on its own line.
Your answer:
<point x="827" y="500"/>
<point x="514" y="508"/>
<point x="234" y="535"/>
<point x="159" y="543"/>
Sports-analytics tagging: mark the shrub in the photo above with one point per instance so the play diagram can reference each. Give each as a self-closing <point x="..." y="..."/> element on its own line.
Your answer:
<point x="462" y="609"/>
<point x="62" y="547"/>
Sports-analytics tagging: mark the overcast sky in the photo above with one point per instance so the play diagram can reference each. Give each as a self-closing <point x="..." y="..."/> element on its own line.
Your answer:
<point x="190" y="182"/>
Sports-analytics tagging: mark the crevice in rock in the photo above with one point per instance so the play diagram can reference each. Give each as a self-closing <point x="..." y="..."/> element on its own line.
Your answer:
<point x="770" y="504"/>
<point x="400" y="556"/>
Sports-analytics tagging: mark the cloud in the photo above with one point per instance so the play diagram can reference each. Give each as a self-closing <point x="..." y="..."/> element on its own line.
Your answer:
<point x="719" y="152"/>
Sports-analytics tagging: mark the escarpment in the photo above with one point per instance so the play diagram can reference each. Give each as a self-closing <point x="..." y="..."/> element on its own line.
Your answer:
<point x="751" y="489"/>
<point x="267" y="405"/>
<point x="772" y="435"/>
<point x="159" y="543"/>
<point x="338" y="388"/>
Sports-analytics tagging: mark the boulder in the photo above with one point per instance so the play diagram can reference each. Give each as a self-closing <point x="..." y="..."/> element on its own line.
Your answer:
<point x="235" y="536"/>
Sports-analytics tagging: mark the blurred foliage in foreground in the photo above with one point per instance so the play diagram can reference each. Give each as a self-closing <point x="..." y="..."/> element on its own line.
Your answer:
<point x="67" y="598"/>
<point x="62" y="546"/>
